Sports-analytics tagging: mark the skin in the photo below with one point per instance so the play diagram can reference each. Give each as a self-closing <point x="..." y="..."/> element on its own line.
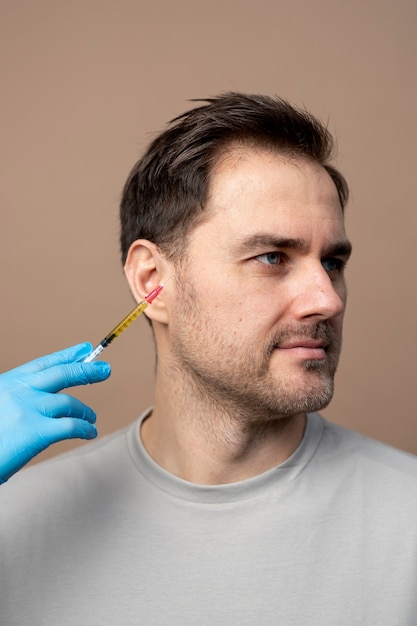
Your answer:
<point x="249" y="332"/>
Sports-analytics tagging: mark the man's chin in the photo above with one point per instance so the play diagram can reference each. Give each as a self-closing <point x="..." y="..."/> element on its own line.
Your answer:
<point x="310" y="395"/>
<point x="320" y="396"/>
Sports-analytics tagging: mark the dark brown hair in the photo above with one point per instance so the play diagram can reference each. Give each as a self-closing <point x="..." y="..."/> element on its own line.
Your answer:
<point x="166" y="191"/>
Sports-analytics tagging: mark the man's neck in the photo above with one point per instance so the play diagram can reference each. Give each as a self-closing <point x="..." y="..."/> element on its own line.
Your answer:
<point x="206" y="446"/>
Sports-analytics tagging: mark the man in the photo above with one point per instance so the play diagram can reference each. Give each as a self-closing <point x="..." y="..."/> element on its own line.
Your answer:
<point x="231" y="501"/>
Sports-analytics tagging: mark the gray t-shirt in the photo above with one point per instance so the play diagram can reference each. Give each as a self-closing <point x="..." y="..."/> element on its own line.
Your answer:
<point x="104" y="536"/>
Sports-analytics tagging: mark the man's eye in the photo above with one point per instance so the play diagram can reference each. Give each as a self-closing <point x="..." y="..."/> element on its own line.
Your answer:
<point x="270" y="258"/>
<point x="333" y="264"/>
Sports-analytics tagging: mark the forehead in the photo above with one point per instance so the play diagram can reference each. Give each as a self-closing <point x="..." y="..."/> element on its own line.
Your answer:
<point x="252" y="190"/>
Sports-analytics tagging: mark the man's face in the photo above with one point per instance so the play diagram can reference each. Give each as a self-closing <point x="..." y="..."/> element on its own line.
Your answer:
<point x="258" y="319"/>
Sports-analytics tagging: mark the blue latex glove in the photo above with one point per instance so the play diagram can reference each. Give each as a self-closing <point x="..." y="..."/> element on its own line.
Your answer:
<point x="30" y="404"/>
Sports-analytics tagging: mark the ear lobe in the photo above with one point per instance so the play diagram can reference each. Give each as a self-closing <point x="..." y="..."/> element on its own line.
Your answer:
<point x="144" y="270"/>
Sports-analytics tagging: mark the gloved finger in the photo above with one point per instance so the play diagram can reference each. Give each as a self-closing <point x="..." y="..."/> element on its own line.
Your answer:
<point x="68" y="355"/>
<point x="69" y="375"/>
<point x="54" y="430"/>
<point x="24" y="447"/>
<point x="62" y="405"/>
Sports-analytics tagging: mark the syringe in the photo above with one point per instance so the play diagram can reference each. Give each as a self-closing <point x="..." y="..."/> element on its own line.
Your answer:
<point x="126" y="321"/>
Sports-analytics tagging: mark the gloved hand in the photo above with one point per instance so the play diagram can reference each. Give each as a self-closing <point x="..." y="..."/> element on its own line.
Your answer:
<point x="33" y="415"/>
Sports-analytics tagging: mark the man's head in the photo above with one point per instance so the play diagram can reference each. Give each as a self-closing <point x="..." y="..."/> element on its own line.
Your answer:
<point x="239" y="201"/>
<point x="166" y="192"/>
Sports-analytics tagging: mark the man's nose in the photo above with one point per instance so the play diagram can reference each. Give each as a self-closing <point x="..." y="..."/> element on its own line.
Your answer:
<point x="318" y="295"/>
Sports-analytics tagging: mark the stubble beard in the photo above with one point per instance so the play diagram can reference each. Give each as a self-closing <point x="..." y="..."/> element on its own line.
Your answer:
<point x="225" y="377"/>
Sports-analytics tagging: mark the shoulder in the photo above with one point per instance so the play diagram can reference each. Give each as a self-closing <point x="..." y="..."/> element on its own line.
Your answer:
<point x="374" y="464"/>
<point x="349" y="441"/>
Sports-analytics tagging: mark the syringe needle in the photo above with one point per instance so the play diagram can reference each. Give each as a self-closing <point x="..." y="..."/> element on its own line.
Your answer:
<point x="126" y="321"/>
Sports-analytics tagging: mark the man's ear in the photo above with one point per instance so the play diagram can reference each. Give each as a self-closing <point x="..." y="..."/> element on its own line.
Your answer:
<point x="145" y="269"/>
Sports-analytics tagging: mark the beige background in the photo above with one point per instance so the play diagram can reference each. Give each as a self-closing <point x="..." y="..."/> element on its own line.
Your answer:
<point x="86" y="83"/>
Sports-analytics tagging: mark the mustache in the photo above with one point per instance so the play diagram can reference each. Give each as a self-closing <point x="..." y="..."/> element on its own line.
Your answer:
<point x="320" y="331"/>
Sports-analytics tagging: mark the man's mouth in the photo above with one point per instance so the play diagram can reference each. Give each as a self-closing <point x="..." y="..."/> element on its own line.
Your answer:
<point x="305" y="349"/>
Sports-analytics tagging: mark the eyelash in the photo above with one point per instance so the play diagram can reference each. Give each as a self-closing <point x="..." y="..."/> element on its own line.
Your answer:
<point x="282" y="259"/>
<point x="339" y="265"/>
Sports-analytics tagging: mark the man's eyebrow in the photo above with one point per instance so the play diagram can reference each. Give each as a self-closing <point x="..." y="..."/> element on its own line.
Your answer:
<point x="340" y="248"/>
<point x="266" y="240"/>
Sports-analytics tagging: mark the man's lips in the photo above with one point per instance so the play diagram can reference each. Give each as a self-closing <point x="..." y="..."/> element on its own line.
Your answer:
<point x="304" y="348"/>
